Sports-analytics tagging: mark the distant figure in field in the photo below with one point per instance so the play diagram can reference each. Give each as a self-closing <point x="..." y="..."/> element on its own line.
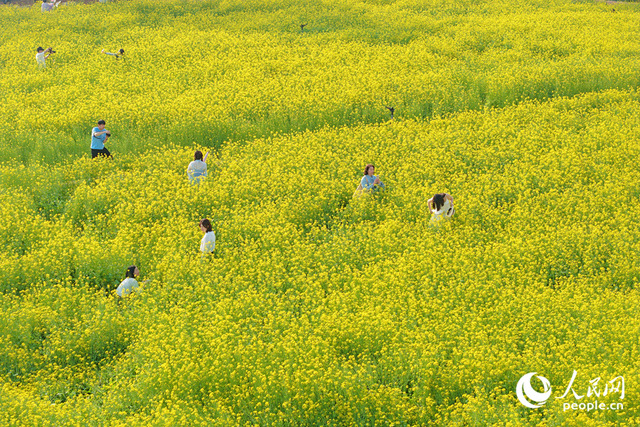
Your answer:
<point x="369" y="181"/>
<point x="118" y="55"/>
<point x="43" y="55"/>
<point x="99" y="136"/>
<point x="129" y="284"/>
<point x="197" y="169"/>
<point x="208" y="242"/>
<point x="48" y="5"/>
<point x="441" y="207"/>
<point x="391" y="110"/>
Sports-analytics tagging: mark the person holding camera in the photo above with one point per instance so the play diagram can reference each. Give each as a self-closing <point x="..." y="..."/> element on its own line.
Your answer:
<point x="370" y="181"/>
<point x="118" y="55"/>
<point x="99" y="136"/>
<point x="42" y="55"/>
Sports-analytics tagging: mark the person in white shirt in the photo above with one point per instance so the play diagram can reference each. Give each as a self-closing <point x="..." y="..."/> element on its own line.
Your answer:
<point x="42" y="55"/>
<point x="198" y="168"/>
<point x="48" y="5"/>
<point x="118" y="55"/>
<point x="441" y="207"/>
<point x="129" y="284"/>
<point x="208" y="242"/>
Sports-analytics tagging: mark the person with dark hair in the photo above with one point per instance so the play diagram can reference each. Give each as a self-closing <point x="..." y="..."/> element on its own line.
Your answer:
<point x="370" y="181"/>
<point x="48" y="5"/>
<point x="129" y="284"/>
<point x="118" y="55"/>
<point x="208" y="242"/>
<point x="197" y="169"/>
<point x="43" y="55"/>
<point x="99" y="136"/>
<point x="441" y="207"/>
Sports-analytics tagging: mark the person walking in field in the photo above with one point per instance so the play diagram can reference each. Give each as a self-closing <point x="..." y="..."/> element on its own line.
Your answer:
<point x="369" y="181"/>
<point x="129" y="284"/>
<point x="208" y="242"/>
<point x="118" y="55"/>
<point x="441" y="207"/>
<point x="99" y="136"/>
<point x="197" y="169"/>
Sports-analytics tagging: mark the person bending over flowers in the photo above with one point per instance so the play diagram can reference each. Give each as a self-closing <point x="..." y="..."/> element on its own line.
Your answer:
<point x="441" y="206"/>
<point x="129" y="284"/>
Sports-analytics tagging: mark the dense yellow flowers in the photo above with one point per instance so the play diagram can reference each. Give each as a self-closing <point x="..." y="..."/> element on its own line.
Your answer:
<point x="200" y="71"/>
<point x="319" y="308"/>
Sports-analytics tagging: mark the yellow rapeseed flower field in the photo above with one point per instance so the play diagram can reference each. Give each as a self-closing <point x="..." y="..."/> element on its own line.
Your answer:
<point x="319" y="308"/>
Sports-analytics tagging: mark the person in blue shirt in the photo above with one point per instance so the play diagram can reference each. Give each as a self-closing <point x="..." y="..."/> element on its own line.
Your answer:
<point x="99" y="136"/>
<point x="370" y="181"/>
